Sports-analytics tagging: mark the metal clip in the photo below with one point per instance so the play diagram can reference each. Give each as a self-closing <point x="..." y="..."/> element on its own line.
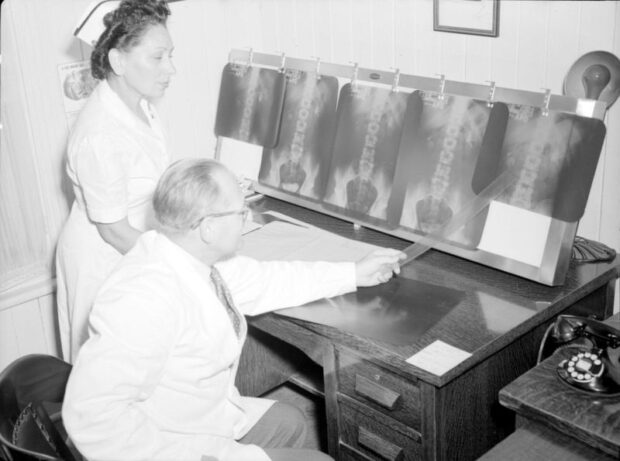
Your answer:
<point x="442" y="86"/>
<point x="317" y="69"/>
<point x="250" y="57"/>
<point x="546" y="101"/>
<point x="491" y="96"/>
<point x="354" y="76"/>
<point x="396" y="80"/>
<point x="282" y="62"/>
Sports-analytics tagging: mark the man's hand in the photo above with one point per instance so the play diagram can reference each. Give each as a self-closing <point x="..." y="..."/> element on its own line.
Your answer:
<point x="378" y="267"/>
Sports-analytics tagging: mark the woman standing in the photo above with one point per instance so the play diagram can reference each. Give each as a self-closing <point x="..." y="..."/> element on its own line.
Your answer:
<point x="116" y="153"/>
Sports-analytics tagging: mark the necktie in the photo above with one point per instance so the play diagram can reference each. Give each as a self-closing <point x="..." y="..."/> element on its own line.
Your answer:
<point x="221" y="290"/>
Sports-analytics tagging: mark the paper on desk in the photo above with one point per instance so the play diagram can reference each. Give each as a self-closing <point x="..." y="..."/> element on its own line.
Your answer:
<point x="438" y="357"/>
<point x="282" y="241"/>
<point x="515" y="233"/>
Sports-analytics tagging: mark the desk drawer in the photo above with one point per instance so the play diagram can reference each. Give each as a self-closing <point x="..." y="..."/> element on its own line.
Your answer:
<point x="376" y="436"/>
<point x="378" y="388"/>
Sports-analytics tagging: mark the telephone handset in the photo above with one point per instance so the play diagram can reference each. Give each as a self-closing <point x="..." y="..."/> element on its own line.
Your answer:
<point x="592" y="368"/>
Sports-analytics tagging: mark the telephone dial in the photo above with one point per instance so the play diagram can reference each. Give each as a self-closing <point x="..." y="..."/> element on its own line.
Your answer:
<point x="594" y="365"/>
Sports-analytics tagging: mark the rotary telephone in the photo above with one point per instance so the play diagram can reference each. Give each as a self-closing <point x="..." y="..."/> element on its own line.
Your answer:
<point x="594" y="365"/>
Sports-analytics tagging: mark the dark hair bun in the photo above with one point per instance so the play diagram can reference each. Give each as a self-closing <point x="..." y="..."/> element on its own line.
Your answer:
<point x="108" y="19"/>
<point x="124" y="27"/>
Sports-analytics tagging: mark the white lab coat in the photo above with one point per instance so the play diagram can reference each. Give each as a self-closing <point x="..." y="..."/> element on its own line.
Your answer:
<point x="155" y="380"/>
<point x="114" y="161"/>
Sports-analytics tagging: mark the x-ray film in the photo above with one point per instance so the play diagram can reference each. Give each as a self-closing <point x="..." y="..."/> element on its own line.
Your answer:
<point x="298" y="164"/>
<point x="438" y="160"/>
<point x="250" y="104"/>
<point x="466" y="214"/>
<point x="555" y="157"/>
<point x="398" y="312"/>
<point x="370" y="122"/>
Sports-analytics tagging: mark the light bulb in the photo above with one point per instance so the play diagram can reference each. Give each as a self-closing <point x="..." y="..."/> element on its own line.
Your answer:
<point x="595" y="78"/>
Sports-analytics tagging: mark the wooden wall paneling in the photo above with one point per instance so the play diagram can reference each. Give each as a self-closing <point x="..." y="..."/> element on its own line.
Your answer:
<point x="186" y="25"/>
<point x="478" y="64"/>
<point x="24" y="246"/>
<point x="610" y="215"/>
<point x="23" y="252"/>
<point x="382" y="44"/>
<point x="43" y="94"/>
<point x="217" y="57"/>
<point x="532" y="46"/>
<point x="562" y="42"/>
<point x="428" y="42"/>
<point x="9" y="350"/>
<point x="241" y="24"/>
<point x="49" y="322"/>
<point x="504" y="56"/>
<point x="287" y="29"/>
<point x="453" y="56"/>
<point x="341" y="31"/>
<point x="597" y="27"/>
<point x="269" y="18"/>
<point x="304" y="25"/>
<point x="322" y="20"/>
<point x="610" y="188"/>
<point x="405" y="36"/>
<point x="29" y="329"/>
<point x="596" y="31"/>
<point x="362" y="33"/>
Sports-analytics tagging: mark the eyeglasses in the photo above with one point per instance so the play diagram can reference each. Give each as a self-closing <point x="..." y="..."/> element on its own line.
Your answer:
<point x="243" y="212"/>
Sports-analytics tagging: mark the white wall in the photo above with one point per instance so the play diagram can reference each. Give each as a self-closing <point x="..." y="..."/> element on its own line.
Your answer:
<point x="537" y="43"/>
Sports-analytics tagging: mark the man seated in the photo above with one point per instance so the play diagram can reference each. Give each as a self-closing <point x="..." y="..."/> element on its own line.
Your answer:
<point x="155" y="380"/>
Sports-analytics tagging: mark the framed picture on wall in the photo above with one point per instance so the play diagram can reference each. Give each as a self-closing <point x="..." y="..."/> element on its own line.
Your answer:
<point x="478" y="17"/>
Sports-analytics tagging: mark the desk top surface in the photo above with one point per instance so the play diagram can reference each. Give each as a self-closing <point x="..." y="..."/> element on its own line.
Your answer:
<point x="541" y="395"/>
<point x="495" y="307"/>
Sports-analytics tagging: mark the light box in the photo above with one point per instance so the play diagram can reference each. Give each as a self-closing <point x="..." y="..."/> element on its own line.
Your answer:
<point x="407" y="162"/>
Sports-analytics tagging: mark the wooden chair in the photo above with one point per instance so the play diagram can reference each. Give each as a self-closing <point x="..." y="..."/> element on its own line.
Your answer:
<point x="31" y="393"/>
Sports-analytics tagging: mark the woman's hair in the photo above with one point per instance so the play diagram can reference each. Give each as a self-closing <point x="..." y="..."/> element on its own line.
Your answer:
<point x="187" y="191"/>
<point x="124" y="27"/>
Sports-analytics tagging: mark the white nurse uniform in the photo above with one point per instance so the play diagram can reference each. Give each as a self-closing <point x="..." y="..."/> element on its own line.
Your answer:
<point x="114" y="161"/>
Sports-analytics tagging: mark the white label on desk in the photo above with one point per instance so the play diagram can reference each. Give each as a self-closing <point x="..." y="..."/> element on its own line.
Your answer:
<point x="438" y="357"/>
<point x="515" y="233"/>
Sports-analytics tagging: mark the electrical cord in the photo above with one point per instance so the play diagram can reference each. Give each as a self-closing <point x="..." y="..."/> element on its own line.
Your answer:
<point x="589" y="251"/>
<point x="543" y="342"/>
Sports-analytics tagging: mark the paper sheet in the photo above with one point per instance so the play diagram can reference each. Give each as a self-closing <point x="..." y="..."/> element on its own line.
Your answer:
<point x="515" y="233"/>
<point x="282" y="241"/>
<point x="241" y="157"/>
<point x="438" y="358"/>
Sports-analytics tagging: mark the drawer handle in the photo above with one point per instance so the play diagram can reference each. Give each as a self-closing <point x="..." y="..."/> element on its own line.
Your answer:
<point x="387" y="398"/>
<point x="379" y="445"/>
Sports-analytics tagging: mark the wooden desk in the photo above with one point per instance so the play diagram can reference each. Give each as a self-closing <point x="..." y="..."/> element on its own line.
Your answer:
<point x="380" y="407"/>
<point x="558" y="420"/>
